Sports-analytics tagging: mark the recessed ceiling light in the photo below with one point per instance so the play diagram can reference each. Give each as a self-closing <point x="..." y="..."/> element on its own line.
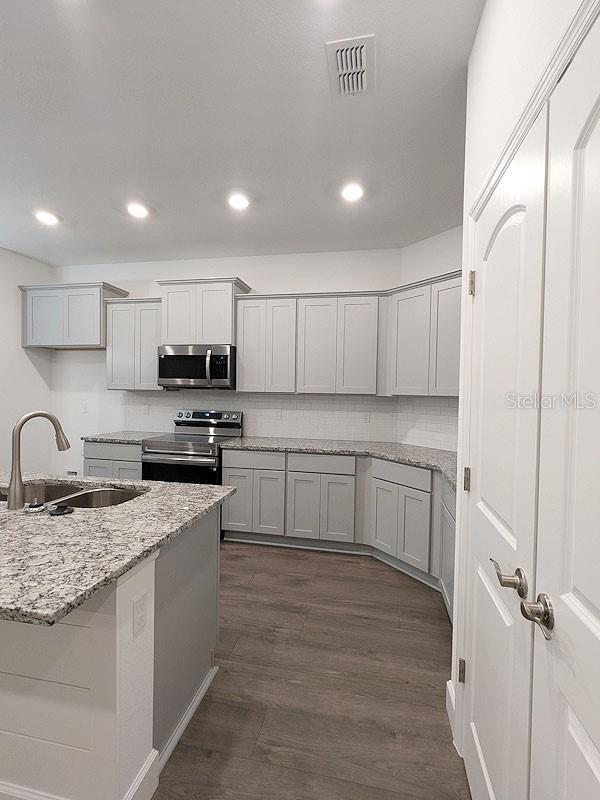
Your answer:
<point x="46" y="217"/>
<point x="238" y="201"/>
<point x="352" y="192"/>
<point x="138" y="210"/>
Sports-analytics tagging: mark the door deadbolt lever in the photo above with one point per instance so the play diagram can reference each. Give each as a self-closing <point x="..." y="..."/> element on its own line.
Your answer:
<point x="540" y="612"/>
<point x="518" y="581"/>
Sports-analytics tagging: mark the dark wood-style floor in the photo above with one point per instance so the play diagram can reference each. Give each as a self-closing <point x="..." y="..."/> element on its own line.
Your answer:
<point x="331" y="686"/>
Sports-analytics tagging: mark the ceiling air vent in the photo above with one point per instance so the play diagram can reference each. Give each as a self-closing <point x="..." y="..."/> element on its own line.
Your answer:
<point x="352" y="65"/>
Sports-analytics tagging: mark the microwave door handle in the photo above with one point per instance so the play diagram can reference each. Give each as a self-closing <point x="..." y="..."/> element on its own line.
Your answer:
<point x="208" y="360"/>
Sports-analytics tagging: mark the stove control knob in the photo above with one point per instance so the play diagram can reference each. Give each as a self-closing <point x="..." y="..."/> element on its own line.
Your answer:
<point x="225" y="416"/>
<point x="188" y="414"/>
<point x="180" y="414"/>
<point x="234" y="416"/>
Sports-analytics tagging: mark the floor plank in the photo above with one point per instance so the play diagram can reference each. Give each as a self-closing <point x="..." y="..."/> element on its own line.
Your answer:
<point x="331" y="686"/>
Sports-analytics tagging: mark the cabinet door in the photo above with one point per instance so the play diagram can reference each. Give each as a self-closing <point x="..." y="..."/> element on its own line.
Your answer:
<point x="337" y="508"/>
<point x="214" y="308"/>
<point x="131" y="470"/>
<point x="237" y="510"/>
<point x="268" y="502"/>
<point x="414" y="527"/>
<point x="384" y="505"/>
<point x="147" y="340"/>
<point x="120" y="346"/>
<point x="44" y="310"/>
<point x="281" y="345"/>
<point x="303" y="504"/>
<point x="317" y="345"/>
<point x="447" y="528"/>
<point x="444" y="343"/>
<point x="82" y="317"/>
<point x="98" y="468"/>
<point x="179" y="314"/>
<point x="250" y="345"/>
<point x="357" y="345"/>
<point x="409" y="319"/>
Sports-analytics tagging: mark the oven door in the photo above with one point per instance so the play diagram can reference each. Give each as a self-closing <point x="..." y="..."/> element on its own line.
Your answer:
<point x="180" y="468"/>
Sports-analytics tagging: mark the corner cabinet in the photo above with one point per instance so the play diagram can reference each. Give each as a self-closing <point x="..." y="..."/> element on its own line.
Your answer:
<point x="66" y="316"/>
<point x="132" y="340"/>
<point x="200" y="311"/>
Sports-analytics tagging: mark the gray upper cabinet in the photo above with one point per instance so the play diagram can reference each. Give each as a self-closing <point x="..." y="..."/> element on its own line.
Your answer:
<point x="67" y="316"/>
<point x="266" y="345"/>
<point x="133" y="337"/>
<point x="444" y="343"/>
<point x="410" y="321"/>
<point x="317" y="345"/>
<point x="200" y="311"/>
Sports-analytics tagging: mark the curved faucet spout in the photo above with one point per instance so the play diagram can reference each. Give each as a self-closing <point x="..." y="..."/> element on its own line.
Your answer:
<point x="16" y="494"/>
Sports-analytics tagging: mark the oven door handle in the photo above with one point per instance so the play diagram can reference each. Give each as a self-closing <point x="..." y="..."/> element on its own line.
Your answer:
<point x="164" y="458"/>
<point x="208" y="360"/>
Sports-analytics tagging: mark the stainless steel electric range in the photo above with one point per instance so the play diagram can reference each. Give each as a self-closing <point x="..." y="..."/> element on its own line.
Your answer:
<point x="191" y="454"/>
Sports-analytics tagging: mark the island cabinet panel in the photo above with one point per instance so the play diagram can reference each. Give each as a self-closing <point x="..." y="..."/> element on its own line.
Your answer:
<point x="444" y="346"/>
<point x="303" y="504"/>
<point x="268" y="502"/>
<point x="237" y="509"/>
<point x="337" y="508"/>
<point x="414" y="511"/>
<point x="317" y="345"/>
<point x="357" y="345"/>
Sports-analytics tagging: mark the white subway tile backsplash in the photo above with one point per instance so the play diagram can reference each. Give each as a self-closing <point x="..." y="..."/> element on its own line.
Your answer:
<point x="425" y="421"/>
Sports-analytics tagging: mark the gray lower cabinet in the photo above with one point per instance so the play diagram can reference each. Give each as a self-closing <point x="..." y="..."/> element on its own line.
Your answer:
<point x="384" y="507"/>
<point x="258" y="506"/>
<point x="400" y="521"/>
<point x="303" y="504"/>
<point x="106" y="468"/>
<point x="447" y="533"/>
<point x="320" y="506"/>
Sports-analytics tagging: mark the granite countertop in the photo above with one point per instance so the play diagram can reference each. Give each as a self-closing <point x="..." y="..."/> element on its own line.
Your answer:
<point x="122" y="437"/>
<point x="427" y="457"/>
<point x="51" y="565"/>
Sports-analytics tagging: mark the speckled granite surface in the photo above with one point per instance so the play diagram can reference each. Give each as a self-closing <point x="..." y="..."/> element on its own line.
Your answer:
<point x="428" y="457"/>
<point x="122" y="437"/>
<point x="51" y="565"/>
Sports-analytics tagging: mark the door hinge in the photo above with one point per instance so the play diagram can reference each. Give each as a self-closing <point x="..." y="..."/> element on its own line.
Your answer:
<point x="472" y="282"/>
<point x="462" y="669"/>
<point x="467" y="479"/>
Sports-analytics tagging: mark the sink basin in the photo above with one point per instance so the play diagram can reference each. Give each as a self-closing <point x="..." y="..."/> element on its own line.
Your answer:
<point x="99" y="498"/>
<point x="43" y="492"/>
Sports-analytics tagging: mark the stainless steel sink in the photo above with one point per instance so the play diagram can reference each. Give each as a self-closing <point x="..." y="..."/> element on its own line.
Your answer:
<point x="99" y="498"/>
<point x="43" y="492"/>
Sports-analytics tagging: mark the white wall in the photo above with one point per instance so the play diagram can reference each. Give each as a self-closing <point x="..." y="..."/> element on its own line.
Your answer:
<point x="25" y="374"/>
<point x="79" y="389"/>
<point x="514" y="43"/>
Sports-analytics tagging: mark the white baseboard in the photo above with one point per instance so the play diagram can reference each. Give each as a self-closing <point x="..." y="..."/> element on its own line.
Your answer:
<point x="184" y="721"/>
<point x="10" y="791"/>
<point x="146" y="781"/>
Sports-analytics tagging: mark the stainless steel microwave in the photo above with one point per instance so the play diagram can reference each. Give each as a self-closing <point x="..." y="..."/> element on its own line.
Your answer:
<point x="196" y="366"/>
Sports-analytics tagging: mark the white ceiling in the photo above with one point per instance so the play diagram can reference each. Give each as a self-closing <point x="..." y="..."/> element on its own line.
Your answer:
<point x="178" y="102"/>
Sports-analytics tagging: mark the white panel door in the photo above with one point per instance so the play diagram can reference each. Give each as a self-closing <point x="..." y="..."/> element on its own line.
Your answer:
<point x="303" y="497"/>
<point x="250" y="363"/>
<point x="409" y="319"/>
<point x="337" y="508"/>
<point x="269" y="501"/>
<point x="120" y="345"/>
<point x="45" y="317"/>
<point x="237" y="509"/>
<point x="215" y="314"/>
<point x="357" y="345"/>
<point x="414" y="527"/>
<point x="147" y="340"/>
<point x="317" y="344"/>
<point x="444" y="342"/>
<point x="501" y="505"/>
<point x="565" y="762"/>
<point x="98" y="468"/>
<point x="384" y="519"/>
<point x="83" y="316"/>
<point x="281" y="345"/>
<point x="179" y="314"/>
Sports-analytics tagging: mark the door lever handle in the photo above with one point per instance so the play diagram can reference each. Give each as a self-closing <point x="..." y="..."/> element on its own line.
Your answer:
<point x="540" y="612"/>
<point x="518" y="581"/>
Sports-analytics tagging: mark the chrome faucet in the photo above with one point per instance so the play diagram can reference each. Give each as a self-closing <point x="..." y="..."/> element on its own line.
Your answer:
<point x="16" y="494"/>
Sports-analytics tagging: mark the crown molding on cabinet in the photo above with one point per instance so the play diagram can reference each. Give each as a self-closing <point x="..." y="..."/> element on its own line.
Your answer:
<point x="237" y="282"/>
<point x="556" y="68"/>
<point x="107" y="287"/>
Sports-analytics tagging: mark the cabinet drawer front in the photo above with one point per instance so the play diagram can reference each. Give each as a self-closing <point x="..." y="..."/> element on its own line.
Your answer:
<point x="449" y="498"/>
<point x="415" y="477"/>
<point x="253" y="459"/>
<point x="115" y="452"/>
<point x="335" y="465"/>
